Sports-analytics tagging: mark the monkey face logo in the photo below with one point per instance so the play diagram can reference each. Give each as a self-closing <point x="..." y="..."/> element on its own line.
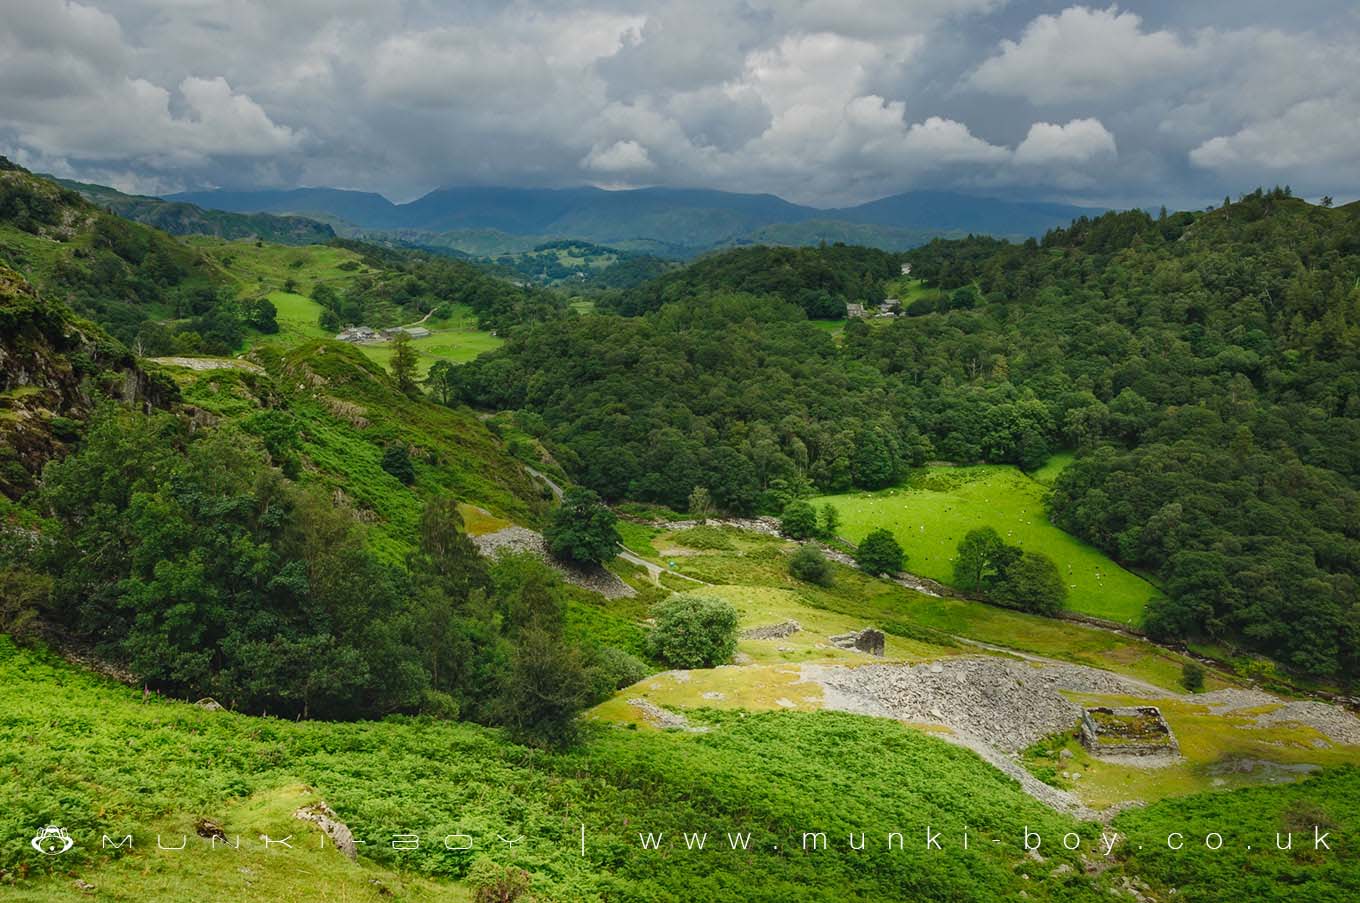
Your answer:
<point x="52" y="841"/>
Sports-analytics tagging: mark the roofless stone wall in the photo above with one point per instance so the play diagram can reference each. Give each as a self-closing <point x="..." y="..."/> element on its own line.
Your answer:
<point x="1128" y="731"/>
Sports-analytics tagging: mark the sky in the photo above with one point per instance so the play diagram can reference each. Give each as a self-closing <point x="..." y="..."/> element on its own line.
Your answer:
<point x="824" y="102"/>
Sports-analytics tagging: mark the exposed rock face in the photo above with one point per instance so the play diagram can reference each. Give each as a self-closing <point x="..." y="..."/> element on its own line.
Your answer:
<point x="52" y="366"/>
<point x="665" y="719"/>
<point x="772" y="631"/>
<point x="321" y="815"/>
<point x="867" y="640"/>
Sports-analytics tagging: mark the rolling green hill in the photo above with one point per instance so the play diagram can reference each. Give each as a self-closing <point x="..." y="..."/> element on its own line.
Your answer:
<point x="178" y="218"/>
<point x="930" y="514"/>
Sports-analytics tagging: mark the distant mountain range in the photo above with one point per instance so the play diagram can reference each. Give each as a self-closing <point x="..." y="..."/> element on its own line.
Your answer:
<point x="678" y="222"/>
<point x="183" y="218"/>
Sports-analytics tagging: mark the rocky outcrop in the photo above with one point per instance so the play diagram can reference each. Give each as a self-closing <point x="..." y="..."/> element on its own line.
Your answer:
<point x="53" y="366"/>
<point x="521" y="539"/>
<point x="321" y="815"/>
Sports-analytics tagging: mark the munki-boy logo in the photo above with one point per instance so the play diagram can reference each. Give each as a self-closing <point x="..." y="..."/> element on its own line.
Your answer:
<point x="52" y="841"/>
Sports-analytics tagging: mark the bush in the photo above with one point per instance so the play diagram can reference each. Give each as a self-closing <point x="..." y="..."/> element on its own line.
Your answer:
<point x="396" y="460"/>
<point x="1192" y="677"/>
<point x="494" y="883"/>
<point x="879" y="553"/>
<point x="810" y="565"/>
<point x="613" y="669"/>
<point x="694" y="631"/>
<point x="799" y="520"/>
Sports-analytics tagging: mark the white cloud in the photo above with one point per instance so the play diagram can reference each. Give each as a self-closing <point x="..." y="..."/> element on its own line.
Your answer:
<point x="947" y="141"/>
<point x="1321" y="132"/>
<point x="822" y="101"/>
<point x="1081" y="53"/>
<point x="619" y="157"/>
<point x="1079" y="141"/>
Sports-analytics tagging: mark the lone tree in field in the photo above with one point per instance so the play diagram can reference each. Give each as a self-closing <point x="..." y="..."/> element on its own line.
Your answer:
<point x="799" y="520"/>
<point x="694" y="631"/>
<point x="880" y="553"/>
<point x="831" y="521"/>
<point x="1192" y="677"/>
<point x="404" y="363"/>
<point x="1031" y="582"/>
<point x="976" y="557"/>
<point x="810" y="565"/>
<point x="583" y="529"/>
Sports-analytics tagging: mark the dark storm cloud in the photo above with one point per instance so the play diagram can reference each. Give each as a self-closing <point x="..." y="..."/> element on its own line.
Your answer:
<point x="823" y="101"/>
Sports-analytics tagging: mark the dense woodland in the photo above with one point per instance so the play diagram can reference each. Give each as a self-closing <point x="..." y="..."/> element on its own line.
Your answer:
<point x="818" y="280"/>
<point x="1204" y="367"/>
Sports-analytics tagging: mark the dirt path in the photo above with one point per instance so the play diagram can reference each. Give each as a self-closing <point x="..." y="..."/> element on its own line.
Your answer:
<point x="549" y="481"/>
<point x="654" y="571"/>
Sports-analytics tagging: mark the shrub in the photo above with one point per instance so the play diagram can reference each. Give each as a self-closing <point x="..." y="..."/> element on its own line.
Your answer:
<point x="396" y="460"/>
<point x="799" y="520"/>
<point x="1192" y="677"/>
<point x="879" y="553"/>
<point x="694" y="631"/>
<point x="613" y="669"/>
<point x="831" y="521"/>
<point x="495" y="883"/>
<point x="810" y="565"/>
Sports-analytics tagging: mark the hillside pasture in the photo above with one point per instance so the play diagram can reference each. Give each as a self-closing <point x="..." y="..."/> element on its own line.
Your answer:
<point x="933" y="510"/>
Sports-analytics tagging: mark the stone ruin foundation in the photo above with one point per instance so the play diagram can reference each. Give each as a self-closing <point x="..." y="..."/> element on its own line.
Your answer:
<point x="1127" y="731"/>
<point x="773" y="631"/>
<point x="867" y="640"/>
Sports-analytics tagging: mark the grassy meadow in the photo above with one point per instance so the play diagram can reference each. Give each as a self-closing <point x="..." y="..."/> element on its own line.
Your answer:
<point x="933" y="510"/>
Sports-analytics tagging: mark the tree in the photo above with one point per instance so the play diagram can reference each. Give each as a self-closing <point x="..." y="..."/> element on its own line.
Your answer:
<point x="1032" y="583"/>
<point x="700" y="503"/>
<point x="880" y="553"/>
<point x="831" y="521"/>
<point x="799" y="520"/>
<point x="443" y="381"/>
<point x="694" y="631"/>
<point x="396" y="460"/>
<point x="546" y="690"/>
<point x="583" y="529"/>
<point x="263" y="315"/>
<point x="810" y="565"/>
<point x="975" y="558"/>
<point x="1192" y="677"/>
<point x="404" y="362"/>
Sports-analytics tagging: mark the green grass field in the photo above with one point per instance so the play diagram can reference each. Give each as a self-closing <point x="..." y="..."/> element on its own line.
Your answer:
<point x="267" y="267"/>
<point x="457" y="346"/>
<point x="938" y="505"/>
